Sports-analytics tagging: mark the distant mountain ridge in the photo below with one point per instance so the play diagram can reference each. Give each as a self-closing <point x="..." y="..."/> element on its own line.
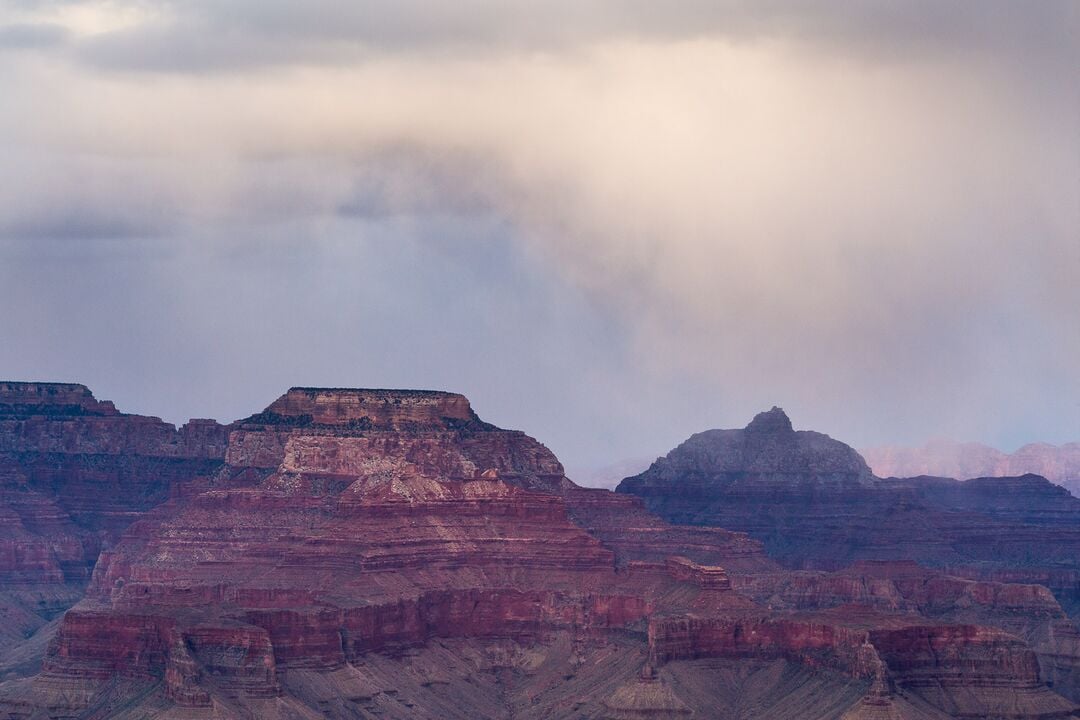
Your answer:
<point x="948" y="458"/>
<point x="815" y="504"/>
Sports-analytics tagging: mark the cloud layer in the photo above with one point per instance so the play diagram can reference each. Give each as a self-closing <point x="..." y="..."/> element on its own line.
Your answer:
<point x="611" y="224"/>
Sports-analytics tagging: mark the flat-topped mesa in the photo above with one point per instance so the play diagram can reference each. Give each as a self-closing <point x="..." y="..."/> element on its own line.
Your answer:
<point x="358" y="541"/>
<point x="348" y="533"/>
<point x="371" y="409"/>
<point x="74" y="474"/>
<point x="323" y="432"/>
<point x="66" y="419"/>
<point x="49" y="398"/>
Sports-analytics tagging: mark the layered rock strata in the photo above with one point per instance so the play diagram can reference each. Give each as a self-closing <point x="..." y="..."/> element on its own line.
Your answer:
<point x="905" y="589"/>
<point x="74" y="473"/>
<point x="386" y="553"/>
<point x="346" y="523"/>
<point x="815" y="504"/>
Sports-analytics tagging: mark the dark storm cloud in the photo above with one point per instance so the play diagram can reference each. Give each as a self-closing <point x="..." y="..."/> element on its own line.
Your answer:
<point x="201" y="35"/>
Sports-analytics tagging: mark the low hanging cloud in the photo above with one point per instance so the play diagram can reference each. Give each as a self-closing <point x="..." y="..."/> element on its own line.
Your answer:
<point x="869" y="213"/>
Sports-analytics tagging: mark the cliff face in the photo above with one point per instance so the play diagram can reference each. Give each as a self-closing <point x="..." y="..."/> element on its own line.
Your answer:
<point x="99" y="466"/>
<point x="908" y="590"/>
<point x="336" y="530"/>
<point x="386" y="553"/>
<point x="326" y="431"/>
<point x="1058" y="463"/>
<point x="312" y="433"/>
<point x="815" y="505"/>
<point x="74" y="473"/>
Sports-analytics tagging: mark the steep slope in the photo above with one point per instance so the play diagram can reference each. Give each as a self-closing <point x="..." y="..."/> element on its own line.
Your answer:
<point x="905" y="589"/>
<point x="386" y="553"/>
<point x="333" y="431"/>
<point x="343" y="523"/>
<point x="74" y="473"/>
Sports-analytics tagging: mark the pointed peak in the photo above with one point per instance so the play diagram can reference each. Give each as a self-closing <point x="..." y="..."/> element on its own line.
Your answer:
<point x="770" y="421"/>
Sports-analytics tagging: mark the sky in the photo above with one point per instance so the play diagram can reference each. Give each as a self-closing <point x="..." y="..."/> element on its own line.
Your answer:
<point x="610" y="223"/>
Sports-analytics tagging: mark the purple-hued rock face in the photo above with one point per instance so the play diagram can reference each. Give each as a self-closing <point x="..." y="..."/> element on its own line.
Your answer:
<point x="90" y="469"/>
<point x="356" y="553"/>
<point x="815" y="504"/>
<point x="767" y="451"/>
<point x="773" y="421"/>
<point x="74" y="474"/>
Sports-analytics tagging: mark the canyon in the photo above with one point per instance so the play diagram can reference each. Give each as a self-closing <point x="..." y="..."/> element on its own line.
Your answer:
<point x="351" y="553"/>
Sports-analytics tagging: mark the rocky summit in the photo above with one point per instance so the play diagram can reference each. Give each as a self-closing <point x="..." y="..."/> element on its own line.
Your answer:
<point x="815" y="504"/>
<point x="350" y="553"/>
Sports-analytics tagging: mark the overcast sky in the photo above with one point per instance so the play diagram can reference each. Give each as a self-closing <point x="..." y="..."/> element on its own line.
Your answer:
<point x="611" y="223"/>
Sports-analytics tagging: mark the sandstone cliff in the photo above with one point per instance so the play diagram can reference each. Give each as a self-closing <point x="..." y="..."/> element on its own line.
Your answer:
<point x="369" y="553"/>
<point x="74" y="473"/>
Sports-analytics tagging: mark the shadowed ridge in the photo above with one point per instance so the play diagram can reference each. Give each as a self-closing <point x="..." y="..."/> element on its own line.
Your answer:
<point x="767" y="450"/>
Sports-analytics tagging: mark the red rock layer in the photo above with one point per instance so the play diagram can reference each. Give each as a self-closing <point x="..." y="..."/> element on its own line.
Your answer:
<point x="94" y="468"/>
<point x="383" y="409"/>
<point x="320" y="435"/>
<point x="1027" y="611"/>
<point x="963" y="670"/>
<point x="74" y="472"/>
<point x="327" y="432"/>
<point x="348" y="527"/>
<point x="38" y="540"/>
<point x="635" y="534"/>
<point x="364" y="537"/>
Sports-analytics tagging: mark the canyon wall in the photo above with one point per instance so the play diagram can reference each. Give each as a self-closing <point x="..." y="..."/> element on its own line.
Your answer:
<point x="74" y="473"/>
<point x="357" y="553"/>
<point x="815" y="504"/>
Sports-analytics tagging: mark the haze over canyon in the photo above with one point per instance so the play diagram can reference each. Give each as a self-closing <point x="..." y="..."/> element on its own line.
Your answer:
<point x="351" y="553"/>
<point x="671" y="244"/>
